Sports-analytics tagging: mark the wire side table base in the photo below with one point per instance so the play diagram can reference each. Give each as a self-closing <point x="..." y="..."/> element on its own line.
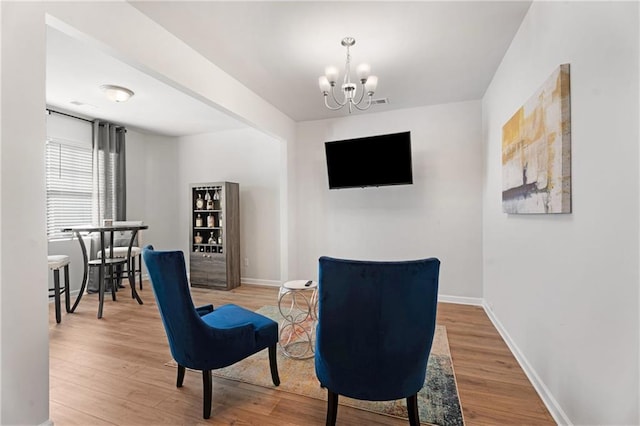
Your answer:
<point x="298" y="304"/>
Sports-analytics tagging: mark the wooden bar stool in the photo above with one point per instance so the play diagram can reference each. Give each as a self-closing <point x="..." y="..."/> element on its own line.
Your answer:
<point x="57" y="262"/>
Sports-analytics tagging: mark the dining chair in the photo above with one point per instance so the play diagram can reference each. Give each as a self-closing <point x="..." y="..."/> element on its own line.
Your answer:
<point x="55" y="263"/>
<point x="376" y="322"/>
<point x="121" y="240"/>
<point x="205" y="338"/>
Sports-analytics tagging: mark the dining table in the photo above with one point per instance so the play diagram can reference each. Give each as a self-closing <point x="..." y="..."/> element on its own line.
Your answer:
<point x="106" y="232"/>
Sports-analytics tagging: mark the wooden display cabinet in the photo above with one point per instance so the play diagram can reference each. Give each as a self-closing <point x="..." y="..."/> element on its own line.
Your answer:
<point x="214" y="235"/>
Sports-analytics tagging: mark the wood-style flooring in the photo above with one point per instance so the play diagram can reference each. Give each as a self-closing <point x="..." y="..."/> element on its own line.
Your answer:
<point x="111" y="372"/>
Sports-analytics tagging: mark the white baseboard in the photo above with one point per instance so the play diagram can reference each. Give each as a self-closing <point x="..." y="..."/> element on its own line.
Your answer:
<point x="475" y="301"/>
<point x="549" y="401"/>
<point x="255" y="281"/>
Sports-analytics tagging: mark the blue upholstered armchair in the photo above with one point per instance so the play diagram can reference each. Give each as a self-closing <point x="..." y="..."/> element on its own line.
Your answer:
<point x="376" y="322"/>
<point x="205" y="338"/>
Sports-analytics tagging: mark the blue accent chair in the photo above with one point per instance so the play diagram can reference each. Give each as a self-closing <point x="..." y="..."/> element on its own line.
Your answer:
<point x="205" y="338"/>
<point x="376" y="322"/>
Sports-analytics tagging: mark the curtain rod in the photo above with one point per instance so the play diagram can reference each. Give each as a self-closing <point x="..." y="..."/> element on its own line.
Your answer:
<point x="49" y="110"/>
<point x="68" y="115"/>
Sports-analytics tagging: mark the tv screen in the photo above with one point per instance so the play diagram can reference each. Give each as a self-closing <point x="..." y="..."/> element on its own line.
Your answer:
<point x="370" y="161"/>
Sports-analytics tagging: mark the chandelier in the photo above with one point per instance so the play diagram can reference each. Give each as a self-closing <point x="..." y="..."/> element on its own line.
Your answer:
<point x="368" y="83"/>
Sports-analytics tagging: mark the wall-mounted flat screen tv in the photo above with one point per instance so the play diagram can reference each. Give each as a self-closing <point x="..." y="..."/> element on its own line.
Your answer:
<point x="370" y="161"/>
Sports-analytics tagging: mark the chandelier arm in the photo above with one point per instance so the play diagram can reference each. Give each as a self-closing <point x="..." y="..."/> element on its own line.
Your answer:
<point x="366" y="107"/>
<point x="326" y="103"/>
<point x="361" y="95"/>
<point x="333" y="95"/>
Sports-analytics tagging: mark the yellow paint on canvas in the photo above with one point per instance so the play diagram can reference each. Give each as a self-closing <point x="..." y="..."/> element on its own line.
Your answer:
<point x="511" y="134"/>
<point x="536" y="150"/>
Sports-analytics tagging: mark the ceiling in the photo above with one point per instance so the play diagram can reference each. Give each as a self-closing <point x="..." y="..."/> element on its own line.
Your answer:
<point x="423" y="53"/>
<point x="76" y="70"/>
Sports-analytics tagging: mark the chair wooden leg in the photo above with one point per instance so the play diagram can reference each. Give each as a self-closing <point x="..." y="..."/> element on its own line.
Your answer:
<point x="113" y="281"/>
<point x="180" y="380"/>
<point x="207" y="391"/>
<point x="131" y="273"/>
<point x="67" y="290"/>
<point x="100" y="291"/>
<point x="140" y="270"/>
<point x="412" y="410"/>
<point x="273" y="364"/>
<point x="332" y="407"/>
<point x="56" y="293"/>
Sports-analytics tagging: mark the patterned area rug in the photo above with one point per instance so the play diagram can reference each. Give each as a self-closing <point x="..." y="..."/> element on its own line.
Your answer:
<point x="438" y="401"/>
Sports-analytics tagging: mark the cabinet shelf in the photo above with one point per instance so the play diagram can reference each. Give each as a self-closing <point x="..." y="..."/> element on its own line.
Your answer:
<point x="205" y="228"/>
<point x="207" y="211"/>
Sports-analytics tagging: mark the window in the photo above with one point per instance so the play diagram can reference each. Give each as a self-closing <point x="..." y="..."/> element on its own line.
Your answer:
<point x="69" y="185"/>
<point x="83" y="186"/>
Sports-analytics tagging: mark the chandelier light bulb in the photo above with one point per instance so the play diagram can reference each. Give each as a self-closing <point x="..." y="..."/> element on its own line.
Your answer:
<point x="363" y="72"/>
<point x="324" y="84"/>
<point x="371" y="84"/>
<point x="332" y="74"/>
<point x="352" y="96"/>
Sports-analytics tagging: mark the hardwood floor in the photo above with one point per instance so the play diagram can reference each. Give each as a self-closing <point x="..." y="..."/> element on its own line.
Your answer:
<point x="111" y="371"/>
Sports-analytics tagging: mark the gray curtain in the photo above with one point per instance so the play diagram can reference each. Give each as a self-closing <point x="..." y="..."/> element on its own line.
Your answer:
<point x="109" y="183"/>
<point x="109" y="172"/>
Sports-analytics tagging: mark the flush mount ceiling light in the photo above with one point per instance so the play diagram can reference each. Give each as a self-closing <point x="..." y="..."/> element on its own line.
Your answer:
<point x="116" y="93"/>
<point x="349" y="90"/>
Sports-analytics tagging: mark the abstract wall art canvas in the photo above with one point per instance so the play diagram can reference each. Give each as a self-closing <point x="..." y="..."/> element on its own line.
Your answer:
<point x="536" y="151"/>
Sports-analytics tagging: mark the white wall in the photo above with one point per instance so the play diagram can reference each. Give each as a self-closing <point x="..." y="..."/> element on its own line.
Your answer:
<point x="253" y="160"/>
<point x="1" y="119"/>
<point x="153" y="187"/>
<point x="439" y="215"/>
<point x="565" y="287"/>
<point x="24" y="350"/>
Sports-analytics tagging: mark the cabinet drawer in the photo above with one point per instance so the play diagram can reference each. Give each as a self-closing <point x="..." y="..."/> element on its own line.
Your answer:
<point x="199" y="266"/>
<point x="218" y="271"/>
<point x="208" y="269"/>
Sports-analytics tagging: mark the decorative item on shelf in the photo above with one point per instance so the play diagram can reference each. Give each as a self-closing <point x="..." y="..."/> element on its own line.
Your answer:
<point x="216" y="194"/>
<point x="209" y="203"/>
<point x="220" y="220"/>
<point x="211" y="221"/>
<point x="198" y="238"/>
<point x="220" y="237"/>
<point x="198" y="221"/>
<point x="211" y="239"/>
<point x="199" y="202"/>
<point x="207" y="196"/>
<point x="368" y="84"/>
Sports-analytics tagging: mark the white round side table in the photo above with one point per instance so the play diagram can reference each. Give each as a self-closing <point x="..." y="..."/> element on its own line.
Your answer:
<point x="298" y="303"/>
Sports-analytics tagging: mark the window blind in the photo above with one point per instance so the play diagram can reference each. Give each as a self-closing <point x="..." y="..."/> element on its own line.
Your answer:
<point x="69" y="186"/>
